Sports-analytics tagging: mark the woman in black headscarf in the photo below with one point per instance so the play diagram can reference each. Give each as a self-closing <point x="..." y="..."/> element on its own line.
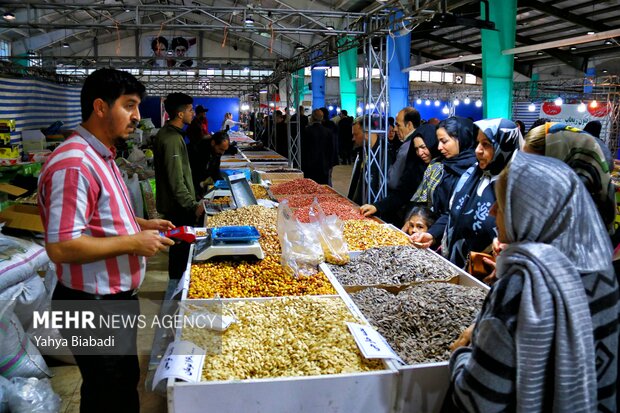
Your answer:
<point x="470" y="226"/>
<point x="456" y="145"/>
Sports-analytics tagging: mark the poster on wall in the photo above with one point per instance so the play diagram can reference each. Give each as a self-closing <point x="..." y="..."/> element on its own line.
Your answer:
<point x="571" y="115"/>
<point x="169" y="51"/>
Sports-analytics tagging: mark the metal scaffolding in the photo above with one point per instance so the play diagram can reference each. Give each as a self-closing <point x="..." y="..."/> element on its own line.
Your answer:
<point x="376" y="100"/>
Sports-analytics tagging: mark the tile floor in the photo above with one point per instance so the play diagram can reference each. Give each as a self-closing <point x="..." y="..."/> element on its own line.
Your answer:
<point x="66" y="381"/>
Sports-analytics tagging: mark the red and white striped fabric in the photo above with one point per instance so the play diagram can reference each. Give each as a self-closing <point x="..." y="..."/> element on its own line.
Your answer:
<point x="81" y="192"/>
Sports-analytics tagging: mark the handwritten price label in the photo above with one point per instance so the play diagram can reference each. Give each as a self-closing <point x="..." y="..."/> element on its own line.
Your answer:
<point x="371" y="343"/>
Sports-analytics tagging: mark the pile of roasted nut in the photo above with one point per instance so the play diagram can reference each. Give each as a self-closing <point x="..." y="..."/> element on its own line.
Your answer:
<point x="299" y="336"/>
<point x="264" y="278"/>
<point x="363" y="234"/>
<point x="422" y="321"/>
<point x="256" y="215"/>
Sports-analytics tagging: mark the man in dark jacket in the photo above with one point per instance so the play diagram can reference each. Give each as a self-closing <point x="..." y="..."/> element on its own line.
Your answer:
<point x="358" y="189"/>
<point x="317" y="149"/>
<point x="404" y="175"/>
<point x="175" y="196"/>
<point x="345" y="137"/>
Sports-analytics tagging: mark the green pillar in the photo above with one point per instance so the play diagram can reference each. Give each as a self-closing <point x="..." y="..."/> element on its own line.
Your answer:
<point x="298" y="88"/>
<point x="497" y="69"/>
<point x="347" y="61"/>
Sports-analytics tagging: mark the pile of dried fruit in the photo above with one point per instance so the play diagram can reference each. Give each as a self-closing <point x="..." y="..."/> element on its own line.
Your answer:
<point x="260" y="192"/>
<point x="298" y="201"/>
<point x="299" y="187"/>
<point x="364" y="234"/>
<point x="344" y="211"/>
<point x="421" y="322"/>
<point x="256" y="215"/>
<point x="224" y="200"/>
<point x="393" y="265"/>
<point x="269" y="241"/>
<point x="265" y="278"/>
<point x="301" y="336"/>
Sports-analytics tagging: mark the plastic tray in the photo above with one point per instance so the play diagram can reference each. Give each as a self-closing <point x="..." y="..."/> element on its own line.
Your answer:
<point x="235" y="234"/>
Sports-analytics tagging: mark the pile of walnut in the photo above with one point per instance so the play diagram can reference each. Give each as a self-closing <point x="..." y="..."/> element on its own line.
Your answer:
<point x="301" y="336"/>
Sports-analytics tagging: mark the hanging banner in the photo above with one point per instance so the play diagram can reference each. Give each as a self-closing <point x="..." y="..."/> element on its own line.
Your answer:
<point x="570" y="115"/>
<point x="169" y="50"/>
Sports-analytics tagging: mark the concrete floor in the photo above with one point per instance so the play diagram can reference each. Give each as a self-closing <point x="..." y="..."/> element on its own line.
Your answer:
<point x="67" y="380"/>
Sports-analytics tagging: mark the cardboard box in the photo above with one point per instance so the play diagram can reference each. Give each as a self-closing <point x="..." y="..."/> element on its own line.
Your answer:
<point x="22" y="217"/>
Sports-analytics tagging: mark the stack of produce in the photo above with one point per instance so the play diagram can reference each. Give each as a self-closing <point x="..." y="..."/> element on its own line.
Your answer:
<point x="364" y="234"/>
<point x="395" y="266"/>
<point x="300" y="336"/>
<point x="264" y="278"/>
<point x="421" y="322"/>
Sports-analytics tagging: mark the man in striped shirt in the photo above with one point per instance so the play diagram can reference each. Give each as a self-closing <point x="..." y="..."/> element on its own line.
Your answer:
<point x="93" y="236"/>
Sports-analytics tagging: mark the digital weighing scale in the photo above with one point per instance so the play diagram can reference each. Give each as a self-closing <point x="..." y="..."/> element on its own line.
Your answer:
<point x="226" y="241"/>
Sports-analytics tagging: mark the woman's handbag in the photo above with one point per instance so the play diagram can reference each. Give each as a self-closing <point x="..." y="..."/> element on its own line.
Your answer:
<point x="476" y="265"/>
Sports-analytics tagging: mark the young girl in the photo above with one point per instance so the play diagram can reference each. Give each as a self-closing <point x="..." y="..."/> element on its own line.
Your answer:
<point x="420" y="219"/>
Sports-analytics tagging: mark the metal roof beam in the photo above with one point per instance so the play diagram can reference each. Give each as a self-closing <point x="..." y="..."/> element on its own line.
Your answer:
<point x="565" y="57"/>
<point x="565" y="15"/>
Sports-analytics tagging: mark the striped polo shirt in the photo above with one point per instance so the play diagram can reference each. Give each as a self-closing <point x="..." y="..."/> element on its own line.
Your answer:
<point x="81" y="192"/>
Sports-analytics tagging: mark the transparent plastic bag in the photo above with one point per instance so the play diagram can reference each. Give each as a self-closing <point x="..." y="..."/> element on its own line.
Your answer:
<point x="330" y="231"/>
<point x="32" y="396"/>
<point x="301" y="249"/>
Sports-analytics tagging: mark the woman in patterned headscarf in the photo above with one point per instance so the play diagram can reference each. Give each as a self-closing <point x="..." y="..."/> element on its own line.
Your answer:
<point x="584" y="155"/>
<point x="470" y="226"/>
<point x="546" y="338"/>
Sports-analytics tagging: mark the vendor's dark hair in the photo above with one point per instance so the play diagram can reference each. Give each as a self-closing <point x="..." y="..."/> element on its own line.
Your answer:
<point x="424" y="212"/>
<point x="176" y="102"/>
<point x="108" y="85"/>
<point x="219" y="137"/>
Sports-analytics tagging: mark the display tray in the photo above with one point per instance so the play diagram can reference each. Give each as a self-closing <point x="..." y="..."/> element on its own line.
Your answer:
<point x="421" y="387"/>
<point x="370" y="391"/>
<point x="319" y="286"/>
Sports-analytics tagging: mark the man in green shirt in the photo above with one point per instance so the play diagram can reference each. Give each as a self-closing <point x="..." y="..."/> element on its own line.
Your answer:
<point x="175" y="195"/>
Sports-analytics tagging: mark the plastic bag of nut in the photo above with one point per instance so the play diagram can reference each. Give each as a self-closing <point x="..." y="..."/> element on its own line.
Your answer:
<point x="301" y="249"/>
<point x="330" y="232"/>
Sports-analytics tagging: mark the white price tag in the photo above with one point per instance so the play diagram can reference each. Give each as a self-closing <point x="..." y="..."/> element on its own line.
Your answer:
<point x="371" y="343"/>
<point x="182" y="360"/>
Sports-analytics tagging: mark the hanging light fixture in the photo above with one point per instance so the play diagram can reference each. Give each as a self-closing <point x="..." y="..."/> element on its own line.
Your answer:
<point x="8" y="16"/>
<point x="445" y="110"/>
<point x="594" y="104"/>
<point x="558" y="101"/>
<point x="330" y="107"/>
<point x="581" y="107"/>
<point x="467" y="100"/>
<point x="359" y="110"/>
<point x="437" y="103"/>
<point x="299" y="46"/>
<point x="478" y="103"/>
<point x="418" y="101"/>
<point x="427" y="102"/>
<point x="531" y="107"/>
<point x="249" y="20"/>
<point x="456" y="102"/>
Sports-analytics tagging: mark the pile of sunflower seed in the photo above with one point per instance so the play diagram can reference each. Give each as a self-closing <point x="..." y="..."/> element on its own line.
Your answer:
<point x="421" y="322"/>
<point x="393" y="265"/>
